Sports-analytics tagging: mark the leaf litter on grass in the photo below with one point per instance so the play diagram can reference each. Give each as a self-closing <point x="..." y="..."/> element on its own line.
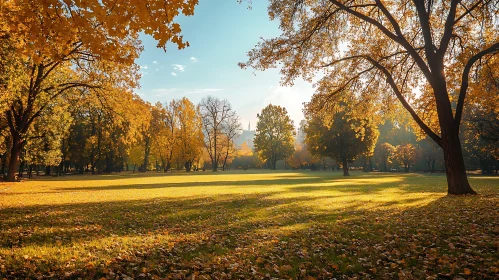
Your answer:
<point x="306" y="225"/>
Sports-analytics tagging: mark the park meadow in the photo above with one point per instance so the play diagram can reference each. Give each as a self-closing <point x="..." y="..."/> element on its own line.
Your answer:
<point x="248" y="224"/>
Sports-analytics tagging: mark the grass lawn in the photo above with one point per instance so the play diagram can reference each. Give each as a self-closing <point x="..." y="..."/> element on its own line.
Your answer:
<point x="248" y="225"/>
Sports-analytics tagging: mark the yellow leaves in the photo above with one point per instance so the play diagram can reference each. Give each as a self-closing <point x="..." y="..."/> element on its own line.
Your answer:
<point x="176" y="28"/>
<point x="90" y="265"/>
<point x="62" y="26"/>
<point x="467" y="271"/>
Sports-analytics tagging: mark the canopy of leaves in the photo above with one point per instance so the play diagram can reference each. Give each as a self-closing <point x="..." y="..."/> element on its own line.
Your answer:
<point x="274" y="134"/>
<point x="389" y="48"/>
<point x="345" y="139"/>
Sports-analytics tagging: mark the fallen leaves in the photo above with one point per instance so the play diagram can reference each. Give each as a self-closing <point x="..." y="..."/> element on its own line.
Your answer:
<point x="281" y="234"/>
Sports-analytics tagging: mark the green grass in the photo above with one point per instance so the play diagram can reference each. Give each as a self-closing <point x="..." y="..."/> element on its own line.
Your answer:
<point x="248" y="225"/>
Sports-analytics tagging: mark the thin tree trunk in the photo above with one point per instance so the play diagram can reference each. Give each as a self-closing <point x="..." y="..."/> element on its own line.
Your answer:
<point x="147" y="151"/>
<point x="215" y="155"/>
<point x="4" y="161"/>
<point x="345" y="167"/>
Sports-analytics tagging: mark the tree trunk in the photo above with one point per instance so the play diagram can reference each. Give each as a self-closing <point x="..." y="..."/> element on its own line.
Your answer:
<point x="147" y="151"/>
<point x="21" y="170"/>
<point x="215" y="155"/>
<point x="364" y="165"/>
<point x="345" y="168"/>
<point x="4" y="161"/>
<point x="15" y="153"/>
<point x="273" y="163"/>
<point x="188" y="166"/>
<point x="406" y="168"/>
<point x="457" y="181"/>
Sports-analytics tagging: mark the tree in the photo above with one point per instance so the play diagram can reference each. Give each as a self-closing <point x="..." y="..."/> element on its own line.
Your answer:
<point x="150" y="130"/>
<point x="104" y="130"/>
<point x="406" y="155"/>
<point x="190" y="133"/>
<point x="218" y="116"/>
<point x="245" y="158"/>
<point x="384" y="154"/>
<point x="344" y="139"/>
<point x="389" y="47"/>
<point x="274" y="138"/>
<point x="165" y="142"/>
<point x="232" y="130"/>
<point x="94" y="43"/>
<point x="45" y="138"/>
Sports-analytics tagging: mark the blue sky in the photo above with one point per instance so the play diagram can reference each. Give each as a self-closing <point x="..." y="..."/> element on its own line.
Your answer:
<point x="220" y="35"/>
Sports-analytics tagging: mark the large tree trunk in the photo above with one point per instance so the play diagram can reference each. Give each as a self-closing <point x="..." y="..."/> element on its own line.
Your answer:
<point x="15" y="153"/>
<point x="457" y="181"/>
<point x="345" y="168"/>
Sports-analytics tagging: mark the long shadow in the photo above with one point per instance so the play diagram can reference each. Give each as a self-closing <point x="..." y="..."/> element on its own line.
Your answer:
<point x="151" y="174"/>
<point x="238" y="183"/>
<point x="360" y="182"/>
<point x="252" y="236"/>
<point x="128" y="174"/>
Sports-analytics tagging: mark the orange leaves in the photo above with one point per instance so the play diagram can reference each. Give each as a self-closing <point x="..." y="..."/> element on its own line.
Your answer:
<point x="49" y="30"/>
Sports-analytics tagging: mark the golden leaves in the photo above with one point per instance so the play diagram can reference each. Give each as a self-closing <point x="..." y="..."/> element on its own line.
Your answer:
<point x="49" y="30"/>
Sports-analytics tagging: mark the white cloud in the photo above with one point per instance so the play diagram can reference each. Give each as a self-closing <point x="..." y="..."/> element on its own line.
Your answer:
<point x="179" y="67"/>
<point x="144" y="67"/>
<point x="155" y="62"/>
<point x="174" y="74"/>
<point x="193" y="59"/>
<point x="157" y="69"/>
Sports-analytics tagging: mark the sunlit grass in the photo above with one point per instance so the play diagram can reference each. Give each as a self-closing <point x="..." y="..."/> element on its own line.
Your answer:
<point x="257" y="224"/>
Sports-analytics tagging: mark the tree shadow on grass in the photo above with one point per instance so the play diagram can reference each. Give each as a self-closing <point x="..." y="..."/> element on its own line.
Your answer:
<point x="151" y="174"/>
<point x="360" y="182"/>
<point x="251" y="236"/>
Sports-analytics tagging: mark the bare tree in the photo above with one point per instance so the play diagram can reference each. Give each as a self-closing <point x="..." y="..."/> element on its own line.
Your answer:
<point x="232" y="129"/>
<point x="218" y="116"/>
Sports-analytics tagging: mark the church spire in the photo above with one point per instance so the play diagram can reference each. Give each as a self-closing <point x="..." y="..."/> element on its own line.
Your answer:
<point x="249" y="127"/>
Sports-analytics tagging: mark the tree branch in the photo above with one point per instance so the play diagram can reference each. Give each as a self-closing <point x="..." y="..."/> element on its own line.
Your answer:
<point x="407" y="106"/>
<point x="465" y="80"/>
<point x="449" y="24"/>
<point x="399" y="38"/>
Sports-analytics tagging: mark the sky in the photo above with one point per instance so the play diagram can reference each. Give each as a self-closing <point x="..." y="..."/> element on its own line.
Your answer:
<point x="220" y="35"/>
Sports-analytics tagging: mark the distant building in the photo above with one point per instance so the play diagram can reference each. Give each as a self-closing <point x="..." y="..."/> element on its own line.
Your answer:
<point x="246" y="136"/>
